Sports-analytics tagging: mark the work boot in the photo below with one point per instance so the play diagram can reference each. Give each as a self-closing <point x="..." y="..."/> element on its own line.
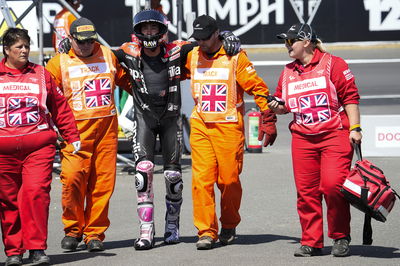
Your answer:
<point x="171" y="235"/>
<point x="95" y="245"/>
<point x="227" y="236"/>
<point x="13" y="260"/>
<point x="70" y="243"/>
<point x="38" y="257"/>
<point x="341" y="247"/>
<point x="307" y="251"/>
<point x="146" y="239"/>
<point x="205" y="243"/>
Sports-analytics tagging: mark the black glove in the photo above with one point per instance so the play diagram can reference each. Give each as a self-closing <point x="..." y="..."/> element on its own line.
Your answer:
<point x="64" y="46"/>
<point x="231" y="42"/>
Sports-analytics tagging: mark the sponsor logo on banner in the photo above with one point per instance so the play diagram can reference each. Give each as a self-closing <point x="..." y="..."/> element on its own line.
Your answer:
<point x="306" y="85"/>
<point x="384" y="15"/>
<point x="88" y="70"/>
<point x="298" y="7"/>
<point x="211" y="73"/>
<point x="16" y="88"/>
<point x="242" y="16"/>
<point x="387" y="137"/>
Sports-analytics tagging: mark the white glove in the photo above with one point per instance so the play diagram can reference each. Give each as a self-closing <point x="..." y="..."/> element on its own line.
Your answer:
<point x="77" y="146"/>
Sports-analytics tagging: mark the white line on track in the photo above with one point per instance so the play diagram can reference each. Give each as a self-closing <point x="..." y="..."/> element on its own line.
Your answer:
<point x="363" y="97"/>
<point x="349" y="61"/>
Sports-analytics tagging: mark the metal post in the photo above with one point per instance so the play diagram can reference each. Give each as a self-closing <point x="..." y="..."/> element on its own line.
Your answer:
<point x="190" y="16"/>
<point x="6" y="14"/>
<point x="40" y="19"/>
<point x="25" y="12"/>
<point x="180" y="16"/>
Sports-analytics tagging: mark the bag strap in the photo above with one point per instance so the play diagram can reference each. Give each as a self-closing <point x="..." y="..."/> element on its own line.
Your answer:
<point x="367" y="228"/>
<point x="357" y="149"/>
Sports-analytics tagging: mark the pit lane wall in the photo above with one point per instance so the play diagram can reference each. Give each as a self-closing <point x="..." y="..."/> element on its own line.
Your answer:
<point x="255" y="21"/>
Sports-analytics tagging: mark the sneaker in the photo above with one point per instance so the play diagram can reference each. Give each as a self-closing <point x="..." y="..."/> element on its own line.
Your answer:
<point x="205" y="242"/>
<point x="307" y="251"/>
<point x="341" y="247"/>
<point x="70" y="243"/>
<point x="227" y="236"/>
<point x="13" y="260"/>
<point x="38" y="257"/>
<point x="95" y="245"/>
<point x="146" y="239"/>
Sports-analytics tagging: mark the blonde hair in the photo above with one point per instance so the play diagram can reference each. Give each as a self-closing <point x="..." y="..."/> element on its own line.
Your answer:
<point x="318" y="45"/>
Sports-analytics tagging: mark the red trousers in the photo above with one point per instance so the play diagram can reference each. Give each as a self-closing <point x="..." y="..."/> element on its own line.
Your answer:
<point x="26" y="164"/>
<point x="320" y="165"/>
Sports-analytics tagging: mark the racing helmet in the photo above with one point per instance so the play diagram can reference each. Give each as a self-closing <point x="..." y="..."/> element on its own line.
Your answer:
<point x="150" y="15"/>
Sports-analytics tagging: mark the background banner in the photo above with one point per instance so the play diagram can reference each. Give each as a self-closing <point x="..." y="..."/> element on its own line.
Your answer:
<point x="255" y="21"/>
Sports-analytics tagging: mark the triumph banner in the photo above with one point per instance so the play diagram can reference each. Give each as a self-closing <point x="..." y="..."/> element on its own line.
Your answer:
<point x="254" y="21"/>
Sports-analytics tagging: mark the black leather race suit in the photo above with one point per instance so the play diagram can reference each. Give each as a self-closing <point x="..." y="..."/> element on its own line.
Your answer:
<point x="157" y="100"/>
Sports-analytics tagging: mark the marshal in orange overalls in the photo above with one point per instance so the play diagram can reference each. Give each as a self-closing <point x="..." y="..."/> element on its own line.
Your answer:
<point x="88" y="177"/>
<point x="217" y="134"/>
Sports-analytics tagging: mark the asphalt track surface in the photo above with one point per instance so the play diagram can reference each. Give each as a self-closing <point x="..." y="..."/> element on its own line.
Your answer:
<point x="270" y="231"/>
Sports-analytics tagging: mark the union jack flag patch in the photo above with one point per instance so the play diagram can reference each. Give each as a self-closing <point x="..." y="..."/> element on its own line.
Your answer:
<point x="315" y="108"/>
<point x="23" y="111"/>
<point x="213" y="97"/>
<point x="98" y="92"/>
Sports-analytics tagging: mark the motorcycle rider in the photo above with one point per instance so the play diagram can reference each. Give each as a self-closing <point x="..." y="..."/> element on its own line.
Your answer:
<point x="155" y="67"/>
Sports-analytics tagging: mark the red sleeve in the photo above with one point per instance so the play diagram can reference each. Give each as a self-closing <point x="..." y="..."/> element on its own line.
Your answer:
<point x="344" y="81"/>
<point x="61" y="113"/>
<point x="278" y="90"/>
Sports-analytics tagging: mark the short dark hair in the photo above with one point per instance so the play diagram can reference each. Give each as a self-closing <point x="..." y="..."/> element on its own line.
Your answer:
<point x="13" y="35"/>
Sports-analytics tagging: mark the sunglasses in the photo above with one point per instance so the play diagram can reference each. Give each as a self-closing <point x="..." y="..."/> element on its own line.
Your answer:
<point x="290" y="42"/>
<point x="89" y="41"/>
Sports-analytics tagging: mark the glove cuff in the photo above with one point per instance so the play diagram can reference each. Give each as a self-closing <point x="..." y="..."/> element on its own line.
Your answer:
<point x="268" y="116"/>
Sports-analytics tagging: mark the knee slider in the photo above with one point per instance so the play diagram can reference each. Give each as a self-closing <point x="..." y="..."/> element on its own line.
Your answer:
<point x="144" y="175"/>
<point x="174" y="184"/>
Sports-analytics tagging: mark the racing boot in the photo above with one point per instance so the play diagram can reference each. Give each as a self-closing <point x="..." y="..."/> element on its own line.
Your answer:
<point x="171" y="235"/>
<point x="147" y="230"/>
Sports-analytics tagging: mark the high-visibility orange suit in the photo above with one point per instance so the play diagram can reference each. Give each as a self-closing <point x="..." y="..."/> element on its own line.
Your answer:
<point x="88" y="177"/>
<point x="217" y="133"/>
<point x="61" y="24"/>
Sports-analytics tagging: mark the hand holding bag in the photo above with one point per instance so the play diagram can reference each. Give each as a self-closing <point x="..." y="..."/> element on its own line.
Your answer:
<point x="367" y="189"/>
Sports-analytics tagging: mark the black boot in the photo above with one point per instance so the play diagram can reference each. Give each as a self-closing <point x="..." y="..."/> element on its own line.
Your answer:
<point x="70" y="243"/>
<point x="95" y="245"/>
<point x="38" y="257"/>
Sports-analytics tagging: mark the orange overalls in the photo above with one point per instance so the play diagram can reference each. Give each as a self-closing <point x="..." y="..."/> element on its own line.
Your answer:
<point x="61" y="24"/>
<point x="88" y="177"/>
<point x="217" y="134"/>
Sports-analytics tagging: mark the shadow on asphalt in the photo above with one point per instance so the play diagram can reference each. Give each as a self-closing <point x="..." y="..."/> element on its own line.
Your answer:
<point x="374" y="252"/>
<point x="68" y="257"/>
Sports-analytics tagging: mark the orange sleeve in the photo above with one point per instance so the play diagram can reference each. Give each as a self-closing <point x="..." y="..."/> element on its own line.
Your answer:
<point x="248" y="80"/>
<point x="54" y="67"/>
<point x="186" y="71"/>
<point x="122" y="77"/>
